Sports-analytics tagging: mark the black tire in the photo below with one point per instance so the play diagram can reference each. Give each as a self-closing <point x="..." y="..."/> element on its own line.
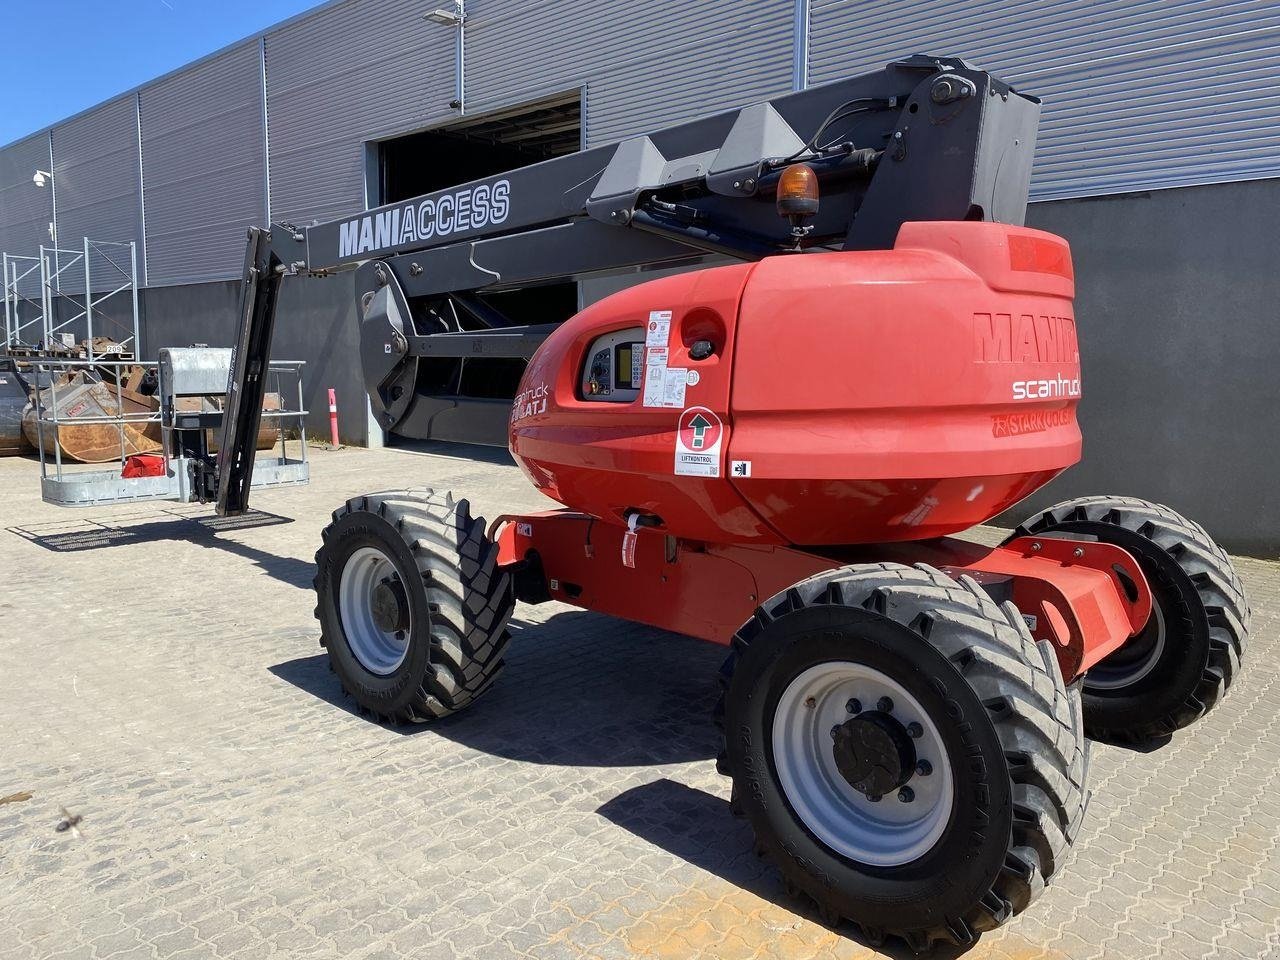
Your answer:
<point x="459" y="602"/>
<point x="1013" y="732"/>
<point x="1182" y="665"/>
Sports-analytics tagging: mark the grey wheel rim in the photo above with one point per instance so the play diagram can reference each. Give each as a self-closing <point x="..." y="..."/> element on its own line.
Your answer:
<point x="887" y="832"/>
<point x="1116" y="671"/>
<point x="379" y="651"/>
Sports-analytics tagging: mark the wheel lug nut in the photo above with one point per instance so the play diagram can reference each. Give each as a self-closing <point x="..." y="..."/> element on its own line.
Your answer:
<point x="834" y="731"/>
<point x="884" y="705"/>
<point x="914" y="730"/>
<point x="924" y="768"/>
<point x="873" y="797"/>
<point x="810" y="702"/>
<point x="854" y="705"/>
<point x="906" y="794"/>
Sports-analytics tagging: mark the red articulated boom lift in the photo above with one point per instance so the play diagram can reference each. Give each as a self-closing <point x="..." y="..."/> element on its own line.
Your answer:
<point x="773" y="455"/>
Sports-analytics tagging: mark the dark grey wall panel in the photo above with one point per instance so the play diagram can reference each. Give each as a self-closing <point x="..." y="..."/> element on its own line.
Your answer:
<point x="95" y="169"/>
<point x="204" y="166"/>
<point x="645" y="65"/>
<point x="1175" y="302"/>
<point x="1138" y="93"/>
<point x="316" y="322"/>
<point x="336" y="78"/>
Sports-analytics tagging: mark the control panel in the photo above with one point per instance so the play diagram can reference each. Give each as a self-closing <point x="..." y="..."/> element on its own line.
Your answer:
<point x="614" y="367"/>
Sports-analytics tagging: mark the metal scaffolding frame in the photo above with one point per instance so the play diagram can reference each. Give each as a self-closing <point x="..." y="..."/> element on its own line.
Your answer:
<point x="14" y="271"/>
<point x="84" y="278"/>
<point x="119" y="281"/>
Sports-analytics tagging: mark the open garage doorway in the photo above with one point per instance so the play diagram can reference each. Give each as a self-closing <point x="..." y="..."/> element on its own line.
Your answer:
<point x="474" y="395"/>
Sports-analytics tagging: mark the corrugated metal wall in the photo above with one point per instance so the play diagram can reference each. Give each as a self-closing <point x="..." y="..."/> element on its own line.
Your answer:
<point x="204" y="166"/>
<point x="95" y="171"/>
<point x="644" y="65"/>
<point x="25" y="209"/>
<point x="1138" y="93"/>
<point x="346" y="74"/>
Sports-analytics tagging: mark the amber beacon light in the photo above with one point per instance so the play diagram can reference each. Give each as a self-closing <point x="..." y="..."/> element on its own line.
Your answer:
<point x="798" y="193"/>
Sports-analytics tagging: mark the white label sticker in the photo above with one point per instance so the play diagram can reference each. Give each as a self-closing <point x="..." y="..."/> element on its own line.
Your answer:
<point x="655" y="376"/>
<point x="658" y="333"/>
<point x="740" y="468"/>
<point x="1031" y="621"/>
<point x="629" y="542"/>
<point x="694" y="377"/>
<point x="677" y="378"/>
<point x="699" y="433"/>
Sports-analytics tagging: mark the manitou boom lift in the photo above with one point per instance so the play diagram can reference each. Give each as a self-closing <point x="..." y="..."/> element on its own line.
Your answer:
<point x="773" y="455"/>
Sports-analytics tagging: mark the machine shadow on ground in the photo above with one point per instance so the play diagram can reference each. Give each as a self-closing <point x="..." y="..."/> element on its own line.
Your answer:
<point x="451" y="450"/>
<point x="80" y="535"/>
<point x="580" y="689"/>
<point x="698" y="828"/>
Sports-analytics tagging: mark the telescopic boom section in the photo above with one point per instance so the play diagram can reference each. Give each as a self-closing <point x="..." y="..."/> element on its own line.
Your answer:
<point x="925" y="138"/>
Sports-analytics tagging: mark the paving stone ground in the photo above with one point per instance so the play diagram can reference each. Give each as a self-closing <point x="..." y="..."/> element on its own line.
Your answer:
<point x="161" y="678"/>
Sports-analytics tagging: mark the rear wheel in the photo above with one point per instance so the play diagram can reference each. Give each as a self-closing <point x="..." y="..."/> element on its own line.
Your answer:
<point x="412" y="605"/>
<point x="1183" y="662"/>
<point x="907" y="755"/>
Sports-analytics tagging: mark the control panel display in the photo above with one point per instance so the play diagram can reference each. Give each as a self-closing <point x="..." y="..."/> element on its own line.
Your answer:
<point x="614" y="369"/>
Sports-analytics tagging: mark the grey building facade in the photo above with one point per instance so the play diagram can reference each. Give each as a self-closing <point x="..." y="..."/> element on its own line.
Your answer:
<point x="1158" y="157"/>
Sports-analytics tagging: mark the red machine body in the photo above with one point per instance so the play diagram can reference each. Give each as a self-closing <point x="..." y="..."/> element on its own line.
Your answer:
<point x="856" y="397"/>
<point x="803" y="412"/>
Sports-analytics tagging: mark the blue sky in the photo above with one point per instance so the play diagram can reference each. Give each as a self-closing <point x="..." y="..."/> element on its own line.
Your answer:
<point x="61" y="56"/>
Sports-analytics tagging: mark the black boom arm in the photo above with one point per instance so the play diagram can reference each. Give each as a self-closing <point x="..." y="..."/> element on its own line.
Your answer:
<point x="925" y="138"/>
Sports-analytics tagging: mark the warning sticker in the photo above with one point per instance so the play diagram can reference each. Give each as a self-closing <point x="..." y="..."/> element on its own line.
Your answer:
<point x="629" y="542"/>
<point x="658" y="333"/>
<point x="698" y="436"/>
<point x="655" y="375"/>
<point x="677" y="379"/>
<point x="663" y="386"/>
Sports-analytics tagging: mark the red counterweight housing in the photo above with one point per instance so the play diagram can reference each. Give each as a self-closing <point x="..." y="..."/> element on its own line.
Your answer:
<point x="823" y="398"/>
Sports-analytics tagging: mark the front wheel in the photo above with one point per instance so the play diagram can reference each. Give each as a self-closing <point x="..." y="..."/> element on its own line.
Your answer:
<point x="412" y="604"/>
<point x="1186" y="657"/>
<point x="907" y="755"/>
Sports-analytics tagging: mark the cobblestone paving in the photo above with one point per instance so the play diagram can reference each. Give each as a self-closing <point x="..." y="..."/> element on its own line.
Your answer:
<point x="161" y="678"/>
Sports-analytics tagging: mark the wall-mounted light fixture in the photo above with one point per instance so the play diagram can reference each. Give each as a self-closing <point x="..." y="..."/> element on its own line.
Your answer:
<point x="448" y="18"/>
<point x="455" y="17"/>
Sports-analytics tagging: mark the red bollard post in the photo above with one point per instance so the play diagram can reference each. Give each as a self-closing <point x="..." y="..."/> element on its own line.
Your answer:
<point x="333" y="419"/>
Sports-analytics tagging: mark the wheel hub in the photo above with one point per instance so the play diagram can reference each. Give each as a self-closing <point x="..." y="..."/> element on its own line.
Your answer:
<point x="874" y="753"/>
<point x="390" y="606"/>
<point x="873" y="783"/>
<point x="373" y="605"/>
